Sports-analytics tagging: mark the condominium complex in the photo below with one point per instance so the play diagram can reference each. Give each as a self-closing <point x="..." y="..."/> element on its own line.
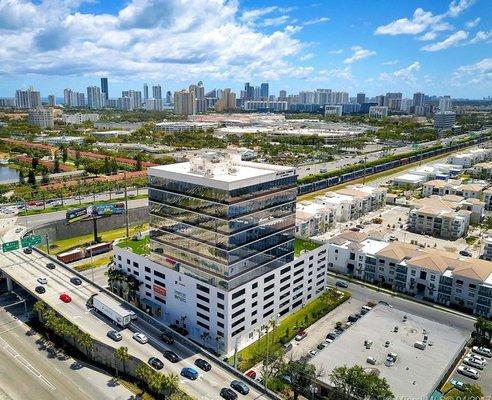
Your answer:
<point x="437" y="217"/>
<point x="79" y="118"/>
<point x="455" y="187"/>
<point x="470" y="158"/>
<point x="378" y="112"/>
<point x="483" y="170"/>
<point x="42" y="117"/>
<point x="27" y="98"/>
<point x="221" y="260"/>
<point x="487" y="249"/>
<point x="436" y="275"/>
<point x="487" y="199"/>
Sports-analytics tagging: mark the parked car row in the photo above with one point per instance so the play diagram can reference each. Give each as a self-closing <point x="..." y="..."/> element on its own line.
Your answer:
<point x="474" y="362"/>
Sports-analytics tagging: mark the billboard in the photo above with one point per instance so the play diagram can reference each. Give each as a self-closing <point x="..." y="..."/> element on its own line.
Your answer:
<point x="96" y="210"/>
<point x="76" y="214"/>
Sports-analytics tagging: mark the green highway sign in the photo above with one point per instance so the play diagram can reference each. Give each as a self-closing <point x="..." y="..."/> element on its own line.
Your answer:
<point x="9" y="246"/>
<point x="30" y="241"/>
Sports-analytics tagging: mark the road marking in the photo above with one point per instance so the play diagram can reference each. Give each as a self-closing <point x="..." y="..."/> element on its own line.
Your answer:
<point x="16" y="356"/>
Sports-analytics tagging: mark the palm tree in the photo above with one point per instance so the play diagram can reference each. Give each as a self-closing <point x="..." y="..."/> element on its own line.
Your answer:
<point x="39" y="306"/>
<point x="156" y="382"/>
<point x="171" y="382"/>
<point x="205" y="336"/>
<point x="85" y="340"/>
<point x="121" y="354"/>
<point x="143" y="372"/>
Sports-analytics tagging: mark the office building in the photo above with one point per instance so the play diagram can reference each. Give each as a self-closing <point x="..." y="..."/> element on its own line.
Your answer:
<point x="333" y="110"/>
<point x="407" y="105"/>
<point x="104" y="90"/>
<point x="444" y="120"/>
<point x="445" y="104"/>
<point x="264" y="91"/>
<point x="41" y="117"/>
<point x="249" y="92"/>
<point x="135" y="97"/>
<point x="169" y="97"/>
<point x="378" y="112"/>
<point x="361" y="98"/>
<point x="235" y="269"/>
<point x="51" y="100"/>
<point x="157" y="92"/>
<point x="184" y="102"/>
<point x="146" y="91"/>
<point x="393" y="101"/>
<point x="440" y="276"/>
<point x="282" y="95"/>
<point x="27" y="98"/>
<point x="381" y="99"/>
<point x="226" y="102"/>
<point x="94" y="98"/>
<point x="418" y="99"/>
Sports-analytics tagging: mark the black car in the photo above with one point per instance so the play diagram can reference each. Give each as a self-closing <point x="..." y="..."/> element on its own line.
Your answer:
<point x="171" y="356"/>
<point x="239" y="386"/>
<point x="228" y="394"/>
<point x="27" y="250"/>
<point x="156" y="363"/>
<point x="76" y="280"/>
<point x="168" y="339"/>
<point x="353" y="317"/>
<point x="341" y="284"/>
<point x="332" y="336"/>
<point x="40" y="289"/>
<point x="114" y="335"/>
<point x="465" y="253"/>
<point x="50" y="265"/>
<point x="202" y="364"/>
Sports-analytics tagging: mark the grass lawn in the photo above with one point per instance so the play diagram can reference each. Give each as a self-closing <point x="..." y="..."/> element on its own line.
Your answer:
<point x="471" y="239"/>
<point x="304" y="244"/>
<point x="288" y="328"/>
<point x="98" y="262"/>
<point x="453" y="393"/>
<point x="63" y="245"/>
<point x="139" y="247"/>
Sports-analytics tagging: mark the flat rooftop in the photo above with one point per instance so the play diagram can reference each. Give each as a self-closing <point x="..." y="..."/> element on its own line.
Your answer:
<point x="416" y="373"/>
<point x="223" y="173"/>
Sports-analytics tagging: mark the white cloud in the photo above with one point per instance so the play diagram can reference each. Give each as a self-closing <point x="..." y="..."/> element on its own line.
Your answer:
<point x="339" y="51"/>
<point x="276" y="21"/>
<point x="428" y="36"/>
<point x="359" y="54"/>
<point x="456" y="7"/>
<point x="452" y="40"/>
<point x="306" y="57"/>
<point x="481" y="36"/>
<point x="337" y="73"/>
<point x="252" y="15"/>
<point x="484" y="65"/>
<point x="420" y="21"/>
<point x="315" y="21"/>
<point x="477" y="74"/>
<point x="473" y="23"/>
<point x="159" y="39"/>
<point x="402" y="76"/>
<point x="392" y="62"/>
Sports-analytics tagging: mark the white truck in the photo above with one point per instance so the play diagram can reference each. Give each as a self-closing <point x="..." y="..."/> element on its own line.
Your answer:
<point x="111" y="309"/>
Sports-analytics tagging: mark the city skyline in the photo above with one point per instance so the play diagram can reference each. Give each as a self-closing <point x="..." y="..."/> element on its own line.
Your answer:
<point x="350" y="47"/>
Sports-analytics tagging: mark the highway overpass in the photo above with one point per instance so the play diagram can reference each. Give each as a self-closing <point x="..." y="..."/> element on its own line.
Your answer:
<point x="24" y="269"/>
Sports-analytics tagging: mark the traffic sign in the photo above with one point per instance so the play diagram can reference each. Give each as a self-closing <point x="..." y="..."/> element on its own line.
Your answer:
<point x="9" y="246"/>
<point x="30" y="241"/>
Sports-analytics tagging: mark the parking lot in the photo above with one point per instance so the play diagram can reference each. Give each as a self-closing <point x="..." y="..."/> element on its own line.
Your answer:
<point x="484" y="381"/>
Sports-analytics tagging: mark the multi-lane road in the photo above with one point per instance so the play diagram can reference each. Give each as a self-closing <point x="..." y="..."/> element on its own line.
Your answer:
<point x="25" y="269"/>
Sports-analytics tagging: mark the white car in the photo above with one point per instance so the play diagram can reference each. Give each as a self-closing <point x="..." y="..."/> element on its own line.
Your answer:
<point x="313" y="352"/>
<point x="477" y="357"/>
<point x="42" y="280"/>
<point x="140" y="338"/>
<point x="484" y="351"/>
<point x="472" y="362"/>
<point x="468" y="371"/>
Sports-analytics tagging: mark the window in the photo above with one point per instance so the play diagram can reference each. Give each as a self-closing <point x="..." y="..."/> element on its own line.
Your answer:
<point x="300" y="271"/>
<point x="254" y="313"/>
<point x="205" y="308"/>
<point x="199" y="314"/>
<point x="268" y="313"/>
<point x="220" y="295"/>
<point x="148" y="286"/>
<point x="238" y="331"/>
<point x="237" y="304"/>
<point x="255" y="285"/>
<point x="284" y="270"/>
<point x="205" y="326"/>
<point x="160" y="283"/>
<point x="254" y="321"/>
<point x="254" y="304"/>
<point x="268" y="296"/>
<point x="298" y="264"/>
<point x="220" y="305"/>
<point x="147" y="269"/>
<point x="219" y="333"/>
<point x="285" y="279"/>
<point x="135" y="273"/>
<point x="220" y="325"/>
<point x="269" y="304"/>
<point x="148" y="278"/>
<point x="237" y="313"/>
<point x="254" y="295"/>
<point x="135" y="264"/>
<point x="160" y="300"/>
<point x="202" y="288"/>
<point x="239" y="321"/>
<point x="119" y="258"/>
<point x="159" y="274"/>
<point x="238" y="293"/>
<point x="268" y="278"/>
<point x="128" y="261"/>
<point x="285" y="287"/>
<point x="220" y="315"/>
<point x="269" y="287"/>
<point x="148" y="294"/>
<point x="202" y="298"/>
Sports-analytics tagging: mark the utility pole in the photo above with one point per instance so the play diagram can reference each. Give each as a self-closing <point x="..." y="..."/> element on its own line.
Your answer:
<point x="48" y="243"/>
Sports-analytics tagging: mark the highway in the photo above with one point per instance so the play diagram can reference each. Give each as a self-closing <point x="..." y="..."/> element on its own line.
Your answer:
<point x="32" y="369"/>
<point x="25" y="269"/>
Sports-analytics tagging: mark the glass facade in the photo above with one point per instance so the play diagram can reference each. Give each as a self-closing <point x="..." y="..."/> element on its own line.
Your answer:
<point x="220" y="235"/>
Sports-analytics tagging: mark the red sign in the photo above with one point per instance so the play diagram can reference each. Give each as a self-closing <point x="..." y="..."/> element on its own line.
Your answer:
<point x="159" y="290"/>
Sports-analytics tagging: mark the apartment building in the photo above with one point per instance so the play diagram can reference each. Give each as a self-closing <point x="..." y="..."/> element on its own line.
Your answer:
<point x="313" y="219"/>
<point x="470" y="158"/>
<point x="487" y="199"/>
<point x="353" y="202"/>
<point x="483" y="170"/>
<point x="487" y="249"/>
<point x="437" y="217"/>
<point x="440" y="276"/>
<point x="221" y="263"/>
<point x="453" y="187"/>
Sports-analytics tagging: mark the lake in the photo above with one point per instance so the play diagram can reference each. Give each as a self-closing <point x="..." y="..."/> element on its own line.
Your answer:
<point x="7" y="174"/>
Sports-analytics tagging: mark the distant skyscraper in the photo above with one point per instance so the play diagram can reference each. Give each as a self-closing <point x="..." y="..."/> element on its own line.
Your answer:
<point x="104" y="89"/>
<point x="361" y="98"/>
<point x="339" y="97"/>
<point x="73" y="99"/>
<point x="27" y="98"/>
<point x="322" y="96"/>
<point x="184" y="102"/>
<point x="250" y="91"/>
<point x="51" y="100"/>
<point x="282" y="95"/>
<point x="418" y="99"/>
<point x="264" y="91"/>
<point x="393" y="101"/>
<point x="94" y="97"/>
<point x="157" y="92"/>
<point x="380" y="100"/>
<point x="146" y="91"/>
<point x="169" y="98"/>
<point x="227" y="101"/>
<point x="445" y="104"/>
<point x="135" y="97"/>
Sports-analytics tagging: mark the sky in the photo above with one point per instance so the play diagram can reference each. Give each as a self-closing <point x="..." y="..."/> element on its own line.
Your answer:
<point x="440" y="47"/>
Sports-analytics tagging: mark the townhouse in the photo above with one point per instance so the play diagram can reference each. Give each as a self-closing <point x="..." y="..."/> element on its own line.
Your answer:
<point x="442" y="188"/>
